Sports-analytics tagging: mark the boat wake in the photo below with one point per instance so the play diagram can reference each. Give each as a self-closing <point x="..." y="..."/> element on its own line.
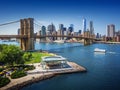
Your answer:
<point x="112" y="52"/>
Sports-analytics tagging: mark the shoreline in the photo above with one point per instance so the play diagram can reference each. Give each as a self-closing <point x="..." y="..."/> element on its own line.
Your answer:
<point x="104" y="42"/>
<point x="17" y="84"/>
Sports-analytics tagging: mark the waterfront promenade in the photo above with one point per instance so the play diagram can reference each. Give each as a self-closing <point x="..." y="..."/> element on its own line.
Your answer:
<point x="39" y="74"/>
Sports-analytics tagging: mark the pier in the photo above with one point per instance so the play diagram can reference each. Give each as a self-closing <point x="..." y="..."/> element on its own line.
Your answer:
<point x="38" y="75"/>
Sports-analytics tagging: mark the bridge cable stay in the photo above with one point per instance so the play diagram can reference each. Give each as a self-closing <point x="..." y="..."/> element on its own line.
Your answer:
<point x="10" y="23"/>
<point x="36" y="21"/>
<point x="38" y="25"/>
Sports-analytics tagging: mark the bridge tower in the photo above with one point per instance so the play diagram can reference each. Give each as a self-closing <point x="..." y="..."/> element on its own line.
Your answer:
<point x="27" y="29"/>
<point x="87" y="36"/>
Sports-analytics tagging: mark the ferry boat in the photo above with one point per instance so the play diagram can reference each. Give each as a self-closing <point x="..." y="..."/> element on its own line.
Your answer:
<point x="59" y="41"/>
<point x="99" y="50"/>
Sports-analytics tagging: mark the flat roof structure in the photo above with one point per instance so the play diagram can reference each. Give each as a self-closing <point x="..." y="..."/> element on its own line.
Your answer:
<point x="53" y="61"/>
<point x="53" y="58"/>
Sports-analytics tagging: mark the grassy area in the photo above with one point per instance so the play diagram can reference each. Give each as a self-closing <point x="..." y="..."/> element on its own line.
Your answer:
<point x="36" y="57"/>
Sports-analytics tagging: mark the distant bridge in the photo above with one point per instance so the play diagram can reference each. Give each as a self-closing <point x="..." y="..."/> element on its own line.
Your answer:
<point x="27" y="35"/>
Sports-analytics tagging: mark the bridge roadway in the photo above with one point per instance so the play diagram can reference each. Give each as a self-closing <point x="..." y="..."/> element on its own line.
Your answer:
<point x="43" y="36"/>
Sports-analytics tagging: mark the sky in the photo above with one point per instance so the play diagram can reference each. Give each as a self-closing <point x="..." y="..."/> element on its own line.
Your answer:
<point x="45" y="12"/>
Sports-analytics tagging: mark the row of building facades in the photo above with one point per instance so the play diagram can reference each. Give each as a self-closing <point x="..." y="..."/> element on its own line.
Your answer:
<point x="112" y="34"/>
<point x="63" y="31"/>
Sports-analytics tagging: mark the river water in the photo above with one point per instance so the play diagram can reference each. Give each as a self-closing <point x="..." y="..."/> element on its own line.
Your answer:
<point x="103" y="70"/>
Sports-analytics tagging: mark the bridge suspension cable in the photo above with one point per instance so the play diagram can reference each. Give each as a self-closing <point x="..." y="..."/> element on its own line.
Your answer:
<point x="38" y="23"/>
<point x="10" y="23"/>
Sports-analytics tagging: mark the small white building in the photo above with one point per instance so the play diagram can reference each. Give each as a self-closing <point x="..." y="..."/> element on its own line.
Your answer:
<point x="53" y="61"/>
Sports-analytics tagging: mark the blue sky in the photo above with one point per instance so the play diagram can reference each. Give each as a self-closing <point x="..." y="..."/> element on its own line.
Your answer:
<point x="101" y="12"/>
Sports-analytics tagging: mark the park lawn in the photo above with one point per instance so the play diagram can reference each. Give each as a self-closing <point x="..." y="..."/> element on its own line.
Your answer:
<point x="36" y="57"/>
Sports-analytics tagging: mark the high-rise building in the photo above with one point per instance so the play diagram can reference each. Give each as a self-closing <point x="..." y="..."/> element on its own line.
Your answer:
<point x="71" y="28"/>
<point x="61" y="26"/>
<point x="51" y="28"/>
<point x="98" y="35"/>
<point x="79" y="31"/>
<point x="91" y="28"/>
<point x="19" y="31"/>
<point x="71" y="25"/>
<point x="111" y="30"/>
<point x="84" y="25"/>
<point x="118" y="32"/>
<point x="59" y="33"/>
<point x="43" y="30"/>
<point x="64" y="29"/>
<point x="64" y="33"/>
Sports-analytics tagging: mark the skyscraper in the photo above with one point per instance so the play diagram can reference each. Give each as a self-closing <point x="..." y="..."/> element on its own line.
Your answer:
<point x="51" y="28"/>
<point x="61" y="26"/>
<point x="84" y="25"/>
<point x="64" y="29"/>
<point x="91" y="28"/>
<point x="19" y="31"/>
<point x="71" y="28"/>
<point x="61" y="30"/>
<point x="111" y="30"/>
<point x="79" y="31"/>
<point x="65" y="32"/>
<point x="43" y="30"/>
<point x="97" y="36"/>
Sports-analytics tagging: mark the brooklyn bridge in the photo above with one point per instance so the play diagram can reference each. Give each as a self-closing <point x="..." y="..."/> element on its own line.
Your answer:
<point x="27" y="35"/>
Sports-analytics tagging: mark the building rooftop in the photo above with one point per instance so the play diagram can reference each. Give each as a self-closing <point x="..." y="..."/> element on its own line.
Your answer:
<point x="53" y="58"/>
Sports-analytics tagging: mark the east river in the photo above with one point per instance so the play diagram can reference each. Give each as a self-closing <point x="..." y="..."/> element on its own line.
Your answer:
<point x="103" y="69"/>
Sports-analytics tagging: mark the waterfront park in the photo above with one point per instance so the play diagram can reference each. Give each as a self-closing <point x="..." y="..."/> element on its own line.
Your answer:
<point x="19" y="68"/>
<point x="14" y="62"/>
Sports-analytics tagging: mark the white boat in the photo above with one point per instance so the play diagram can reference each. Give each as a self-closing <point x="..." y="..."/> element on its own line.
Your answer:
<point x="99" y="50"/>
<point x="59" y="41"/>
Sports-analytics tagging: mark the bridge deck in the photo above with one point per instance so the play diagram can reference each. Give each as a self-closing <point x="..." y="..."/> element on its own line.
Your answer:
<point x="38" y="36"/>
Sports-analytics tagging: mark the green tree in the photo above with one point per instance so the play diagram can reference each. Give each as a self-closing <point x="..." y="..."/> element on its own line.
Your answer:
<point x="11" y="54"/>
<point x="1" y="46"/>
<point x="27" y="56"/>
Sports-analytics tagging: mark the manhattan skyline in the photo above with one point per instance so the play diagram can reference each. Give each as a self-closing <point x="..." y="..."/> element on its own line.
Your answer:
<point x="101" y="12"/>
